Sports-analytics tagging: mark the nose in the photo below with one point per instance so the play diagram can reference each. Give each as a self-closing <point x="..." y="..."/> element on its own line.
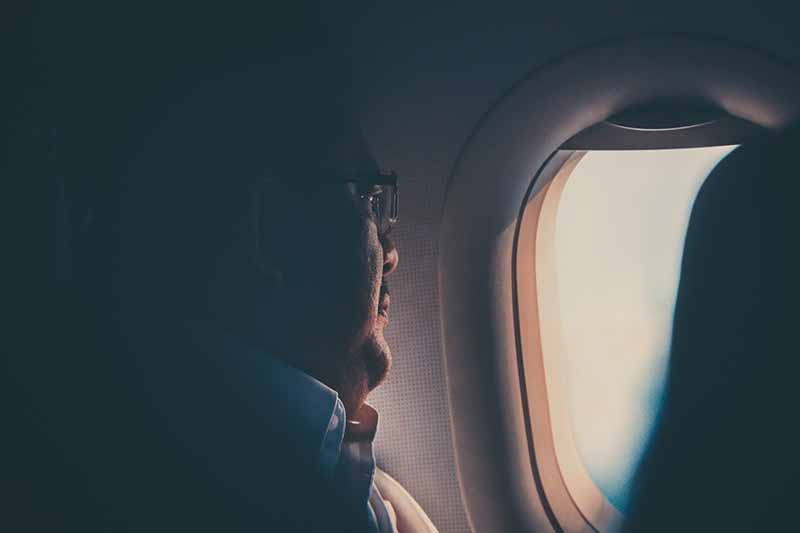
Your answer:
<point x="390" y="256"/>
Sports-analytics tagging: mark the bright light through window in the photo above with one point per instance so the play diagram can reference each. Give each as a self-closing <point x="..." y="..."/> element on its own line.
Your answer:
<point x="620" y="229"/>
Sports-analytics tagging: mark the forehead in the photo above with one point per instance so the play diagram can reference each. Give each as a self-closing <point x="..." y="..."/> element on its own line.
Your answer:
<point x="313" y="125"/>
<point x="339" y="154"/>
<point x="321" y="145"/>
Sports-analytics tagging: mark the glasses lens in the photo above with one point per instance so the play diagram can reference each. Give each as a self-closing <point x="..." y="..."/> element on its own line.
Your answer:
<point x="393" y="203"/>
<point x="382" y="196"/>
<point x="386" y="208"/>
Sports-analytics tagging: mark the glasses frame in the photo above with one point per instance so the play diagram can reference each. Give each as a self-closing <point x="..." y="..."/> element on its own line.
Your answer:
<point x="388" y="183"/>
<point x="386" y="180"/>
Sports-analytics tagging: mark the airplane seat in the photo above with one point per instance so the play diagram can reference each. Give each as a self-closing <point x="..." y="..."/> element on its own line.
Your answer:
<point x="55" y="378"/>
<point x="410" y="517"/>
<point x="724" y="456"/>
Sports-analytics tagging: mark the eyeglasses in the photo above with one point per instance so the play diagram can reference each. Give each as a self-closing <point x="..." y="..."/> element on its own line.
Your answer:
<point x="378" y="190"/>
<point x="381" y="192"/>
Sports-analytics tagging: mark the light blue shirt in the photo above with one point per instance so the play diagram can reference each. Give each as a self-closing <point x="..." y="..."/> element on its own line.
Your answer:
<point x="314" y="415"/>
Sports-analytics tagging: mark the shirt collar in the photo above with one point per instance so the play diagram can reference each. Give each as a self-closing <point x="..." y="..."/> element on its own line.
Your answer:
<point x="304" y="410"/>
<point x="299" y="407"/>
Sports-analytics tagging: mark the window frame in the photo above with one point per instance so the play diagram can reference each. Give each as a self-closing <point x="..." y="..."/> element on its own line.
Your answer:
<point x="495" y="413"/>
<point x="578" y="503"/>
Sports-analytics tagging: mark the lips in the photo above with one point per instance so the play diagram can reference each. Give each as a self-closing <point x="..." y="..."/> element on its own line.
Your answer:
<point x="383" y="308"/>
<point x="385" y="302"/>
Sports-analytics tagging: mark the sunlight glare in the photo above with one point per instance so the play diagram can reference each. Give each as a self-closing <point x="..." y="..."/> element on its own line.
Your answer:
<point x="620" y="229"/>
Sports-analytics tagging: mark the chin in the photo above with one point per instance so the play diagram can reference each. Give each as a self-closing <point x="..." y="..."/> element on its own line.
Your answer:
<point x="367" y="370"/>
<point x="377" y="359"/>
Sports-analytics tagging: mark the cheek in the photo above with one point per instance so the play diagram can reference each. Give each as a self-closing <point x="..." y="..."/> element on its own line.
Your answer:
<point x="346" y="268"/>
<point x="334" y="267"/>
<point x="374" y="268"/>
<point x="362" y="271"/>
<point x="365" y="277"/>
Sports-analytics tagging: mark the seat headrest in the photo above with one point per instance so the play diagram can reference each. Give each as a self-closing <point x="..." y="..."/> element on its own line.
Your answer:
<point x="726" y="438"/>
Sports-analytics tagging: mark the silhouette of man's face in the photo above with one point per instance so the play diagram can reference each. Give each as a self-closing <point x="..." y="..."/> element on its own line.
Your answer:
<point x="313" y="295"/>
<point x="330" y="302"/>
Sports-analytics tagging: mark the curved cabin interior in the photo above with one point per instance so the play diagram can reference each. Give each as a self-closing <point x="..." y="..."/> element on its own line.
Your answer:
<point x="550" y="156"/>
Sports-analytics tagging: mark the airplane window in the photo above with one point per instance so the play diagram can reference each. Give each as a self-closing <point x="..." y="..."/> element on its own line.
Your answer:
<point x="620" y="227"/>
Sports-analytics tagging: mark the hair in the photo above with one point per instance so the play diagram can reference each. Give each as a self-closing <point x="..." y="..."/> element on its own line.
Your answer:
<point x="724" y="455"/>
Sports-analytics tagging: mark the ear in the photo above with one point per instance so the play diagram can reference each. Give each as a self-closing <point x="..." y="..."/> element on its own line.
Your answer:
<point x="273" y="275"/>
<point x="265" y="267"/>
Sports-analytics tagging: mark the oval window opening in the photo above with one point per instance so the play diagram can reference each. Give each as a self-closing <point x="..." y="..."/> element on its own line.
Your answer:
<point x="619" y="232"/>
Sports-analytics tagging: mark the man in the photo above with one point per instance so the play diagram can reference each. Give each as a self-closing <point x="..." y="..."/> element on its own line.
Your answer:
<point x="212" y="372"/>
<point x="275" y="229"/>
<point x="222" y="382"/>
<point x="265" y="232"/>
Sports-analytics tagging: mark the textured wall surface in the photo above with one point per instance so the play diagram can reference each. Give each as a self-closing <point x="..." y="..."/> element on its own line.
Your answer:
<point x="414" y="443"/>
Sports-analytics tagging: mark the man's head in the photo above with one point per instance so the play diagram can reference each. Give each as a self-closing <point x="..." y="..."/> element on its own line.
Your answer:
<point x="322" y="260"/>
<point x="245" y="216"/>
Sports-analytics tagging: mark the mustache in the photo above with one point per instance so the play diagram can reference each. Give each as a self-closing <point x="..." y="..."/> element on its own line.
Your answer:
<point x="384" y="290"/>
